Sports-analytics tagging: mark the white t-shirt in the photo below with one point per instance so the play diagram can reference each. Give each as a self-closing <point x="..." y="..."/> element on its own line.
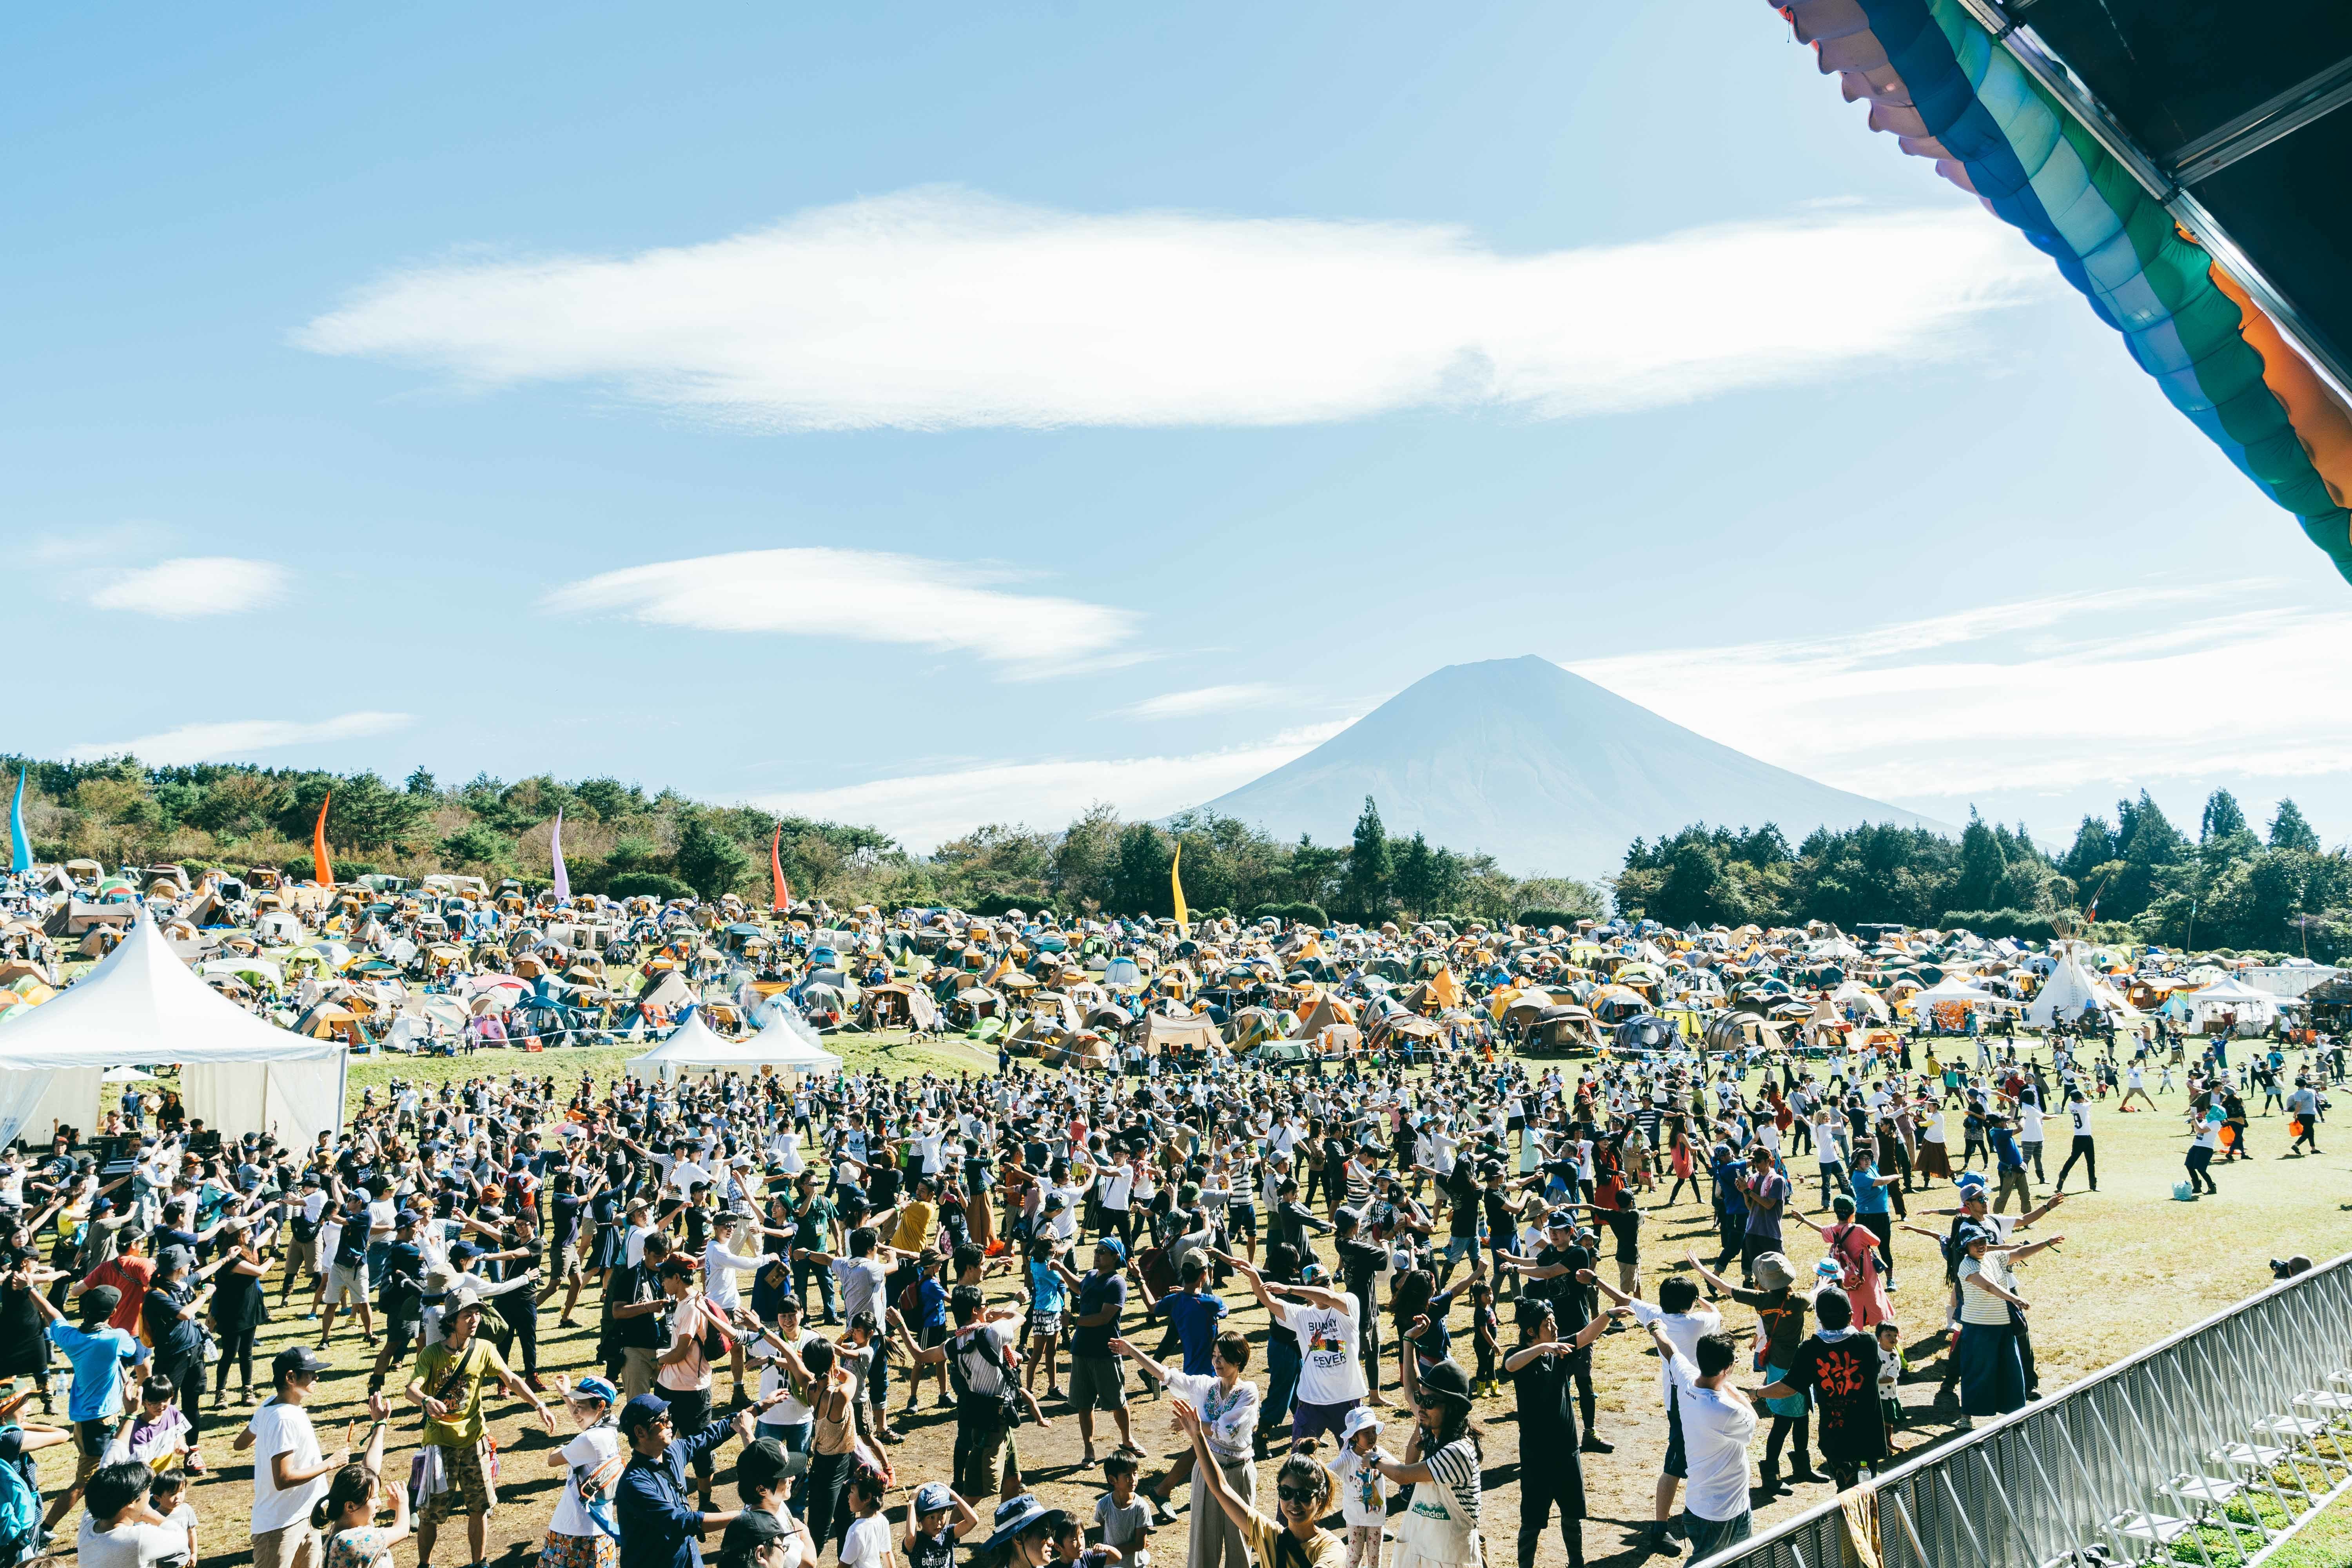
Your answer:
<point x="281" y="1428"/>
<point x="1330" y="1372"/>
<point x="863" y="1281"/>
<point x="1683" y="1330"/>
<point x="1363" y="1490"/>
<point x="790" y="1412"/>
<point x="2029" y="1124"/>
<point x="1716" y="1427"/>
<point x="585" y="1452"/>
<point x="2080" y="1110"/>
<point x="866" y="1543"/>
<point x="127" y="1545"/>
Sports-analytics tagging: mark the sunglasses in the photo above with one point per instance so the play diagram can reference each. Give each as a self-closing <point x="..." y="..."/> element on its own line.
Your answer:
<point x="1297" y="1494"/>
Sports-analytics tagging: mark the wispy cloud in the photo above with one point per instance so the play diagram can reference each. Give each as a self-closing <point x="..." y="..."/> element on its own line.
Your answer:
<point x="195" y="585"/>
<point x="1203" y="699"/>
<point x="925" y="810"/>
<point x="861" y="595"/>
<point x="2126" y="685"/>
<point x="230" y="740"/>
<point x="938" y="308"/>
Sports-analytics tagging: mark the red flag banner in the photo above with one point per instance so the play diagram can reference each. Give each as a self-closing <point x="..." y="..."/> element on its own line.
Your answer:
<point x="782" y="901"/>
<point x="322" y="871"/>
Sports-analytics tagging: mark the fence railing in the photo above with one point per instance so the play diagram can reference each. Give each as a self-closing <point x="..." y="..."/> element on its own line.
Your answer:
<point x="2203" y="1448"/>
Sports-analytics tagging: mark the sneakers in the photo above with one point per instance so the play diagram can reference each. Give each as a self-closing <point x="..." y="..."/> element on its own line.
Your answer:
<point x="1593" y="1445"/>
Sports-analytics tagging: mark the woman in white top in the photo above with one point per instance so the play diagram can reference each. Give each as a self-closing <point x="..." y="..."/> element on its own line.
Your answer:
<point x="1992" y="1373"/>
<point x="1227" y="1404"/>
<point x="577" y="1535"/>
<point x="1440" y="1527"/>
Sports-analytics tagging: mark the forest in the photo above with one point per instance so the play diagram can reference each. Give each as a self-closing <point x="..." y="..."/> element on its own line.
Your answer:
<point x="2134" y="877"/>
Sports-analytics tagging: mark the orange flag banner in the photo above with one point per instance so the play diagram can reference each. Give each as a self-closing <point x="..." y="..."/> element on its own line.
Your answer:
<point x="322" y="871"/>
<point x="782" y="901"/>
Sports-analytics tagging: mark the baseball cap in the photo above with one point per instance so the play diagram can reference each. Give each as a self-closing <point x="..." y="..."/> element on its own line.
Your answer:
<point x="101" y="1302"/>
<point x="643" y="1411"/>
<point x="933" y="1496"/>
<point x="406" y="1217"/>
<point x="294" y="1360"/>
<point x="594" y="1388"/>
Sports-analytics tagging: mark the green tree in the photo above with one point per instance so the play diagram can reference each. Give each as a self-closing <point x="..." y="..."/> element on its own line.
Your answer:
<point x="1370" y="869"/>
<point x="2290" y="831"/>
<point x="1982" y="866"/>
<point x="2221" y="816"/>
<point x="476" y="844"/>
<point x="1140" y="886"/>
<point x="711" y="861"/>
<point x="420" y="781"/>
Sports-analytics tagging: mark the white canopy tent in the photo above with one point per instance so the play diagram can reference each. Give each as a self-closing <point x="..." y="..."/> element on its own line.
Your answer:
<point x="695" y="1047"/>
<point x="2232" y="998"/>
<point x="143" y="1005"/>
<point x="1952" y="988"/>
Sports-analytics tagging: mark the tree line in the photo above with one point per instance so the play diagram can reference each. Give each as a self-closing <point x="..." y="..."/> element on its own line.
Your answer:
<point x="2133" y="878"/>
<point x="618" y="839"/>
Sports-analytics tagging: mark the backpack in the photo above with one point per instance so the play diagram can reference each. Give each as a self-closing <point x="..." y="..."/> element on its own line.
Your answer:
<point x="20" y="1512"/>
<point x="1008" y="1408"/>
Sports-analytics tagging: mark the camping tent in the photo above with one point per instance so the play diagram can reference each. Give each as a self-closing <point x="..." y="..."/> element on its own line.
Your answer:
<point x="2070" y="988"/>
<point x="143" y="1005"/>
<point x="2230" y="998"/>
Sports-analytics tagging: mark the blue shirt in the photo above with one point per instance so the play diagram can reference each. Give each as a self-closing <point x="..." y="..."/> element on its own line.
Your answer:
<point x="1195" y="1318"/>
<point x="651" y="1500"/>
<point x="932" y="1304"/>
<point x="2005" y="1150"/>
<point x="96" y="1391"/>
<point x="1869" y="1197"/>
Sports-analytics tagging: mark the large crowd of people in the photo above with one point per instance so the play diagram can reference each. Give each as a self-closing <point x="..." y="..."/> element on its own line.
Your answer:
<point x="776" y="1267"/>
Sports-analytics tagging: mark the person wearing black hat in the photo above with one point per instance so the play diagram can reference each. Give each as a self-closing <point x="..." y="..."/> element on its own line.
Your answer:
<point x="402" y="1296"/>
<point x="657" y="1524"/>
<point x="1442" y="1463"/>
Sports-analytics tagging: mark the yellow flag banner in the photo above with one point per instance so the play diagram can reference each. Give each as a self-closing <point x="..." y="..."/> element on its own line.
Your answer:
<point x="321" y="872"/>
<point x="1176" y="886"/>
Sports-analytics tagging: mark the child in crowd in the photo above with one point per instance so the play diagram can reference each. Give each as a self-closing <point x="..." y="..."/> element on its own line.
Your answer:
<point x="158" y="1435"/>
<point x="936" y="1521"/>
<point x="1363" y="1490"/>
<point x="867" y="1542"/>
<point x="1123" y="1519"/>
<point x="1891" y="1368"/>
<point x="1485" y="1327"/>
<point x="169" y="1497"/>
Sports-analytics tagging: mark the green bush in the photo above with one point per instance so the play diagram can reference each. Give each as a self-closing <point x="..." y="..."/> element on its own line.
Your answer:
<point x="2026" y="925"/>
<point x="1564" y="918"/>
<point x="1309" y="914"/>
<point x="648" y="885"/>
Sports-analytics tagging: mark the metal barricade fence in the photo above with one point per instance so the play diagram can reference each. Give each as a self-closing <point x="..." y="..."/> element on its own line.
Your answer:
<point x="2245" y="1408"/>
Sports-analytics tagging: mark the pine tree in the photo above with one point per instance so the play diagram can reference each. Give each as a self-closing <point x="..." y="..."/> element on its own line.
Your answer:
<point x="2222" y="818"/>
<point x="1370" y="868"/>
<point x="2290" y="831"/>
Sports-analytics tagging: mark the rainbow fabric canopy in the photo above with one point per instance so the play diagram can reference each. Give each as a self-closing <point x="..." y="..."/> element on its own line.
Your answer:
<point x="1950" y="90"/>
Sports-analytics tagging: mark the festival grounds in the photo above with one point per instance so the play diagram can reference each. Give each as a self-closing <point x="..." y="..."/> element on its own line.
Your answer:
<point x="2136" y="1265"/>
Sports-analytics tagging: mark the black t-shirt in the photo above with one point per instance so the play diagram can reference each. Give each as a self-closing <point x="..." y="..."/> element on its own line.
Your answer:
<point x="173" y="1336"/>
<point x="1095" y="1292"/>
<point x="351" y="1247"/>
<point x="402" y="1258"/>
<point x="1546" y="1414"/>
<point x="1357" y="1263"/>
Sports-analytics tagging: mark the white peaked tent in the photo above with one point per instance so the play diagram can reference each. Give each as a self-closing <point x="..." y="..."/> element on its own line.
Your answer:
<point x="2069" y="989"/>
<point x="143" y="1005"/>
<point x="1951" y="988"/>
<point x="695" y="1047"/>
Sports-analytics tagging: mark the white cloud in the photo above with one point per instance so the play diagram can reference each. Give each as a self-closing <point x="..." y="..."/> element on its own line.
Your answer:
<point x="230" y="740"/>
<point x="2127" y="686"/>
<point x="926" y="810"/>
<point x="197" y="586"/>
<point x="861" y="595"/>
<point x="1203" y="699"/>
<point x="938" y="308"/>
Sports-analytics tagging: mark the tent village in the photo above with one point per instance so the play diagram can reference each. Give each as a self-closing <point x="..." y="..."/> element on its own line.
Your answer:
<point x="256" y="989"/>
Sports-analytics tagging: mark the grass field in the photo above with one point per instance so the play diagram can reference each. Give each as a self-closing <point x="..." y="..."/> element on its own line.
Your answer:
<point x="2136" y="1266"/>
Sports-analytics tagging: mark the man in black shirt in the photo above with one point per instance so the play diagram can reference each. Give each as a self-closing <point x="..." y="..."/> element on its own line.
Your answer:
<point x="1359" y="1262"/>
<point x="633" y="1304"/>
<point x="1551" y="1279"/>
<point x="1550" y="1472"/>
<point x="401" y="1294"/>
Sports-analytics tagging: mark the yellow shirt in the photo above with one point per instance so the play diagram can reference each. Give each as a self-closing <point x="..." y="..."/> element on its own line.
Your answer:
<point x="914" y="1226"/>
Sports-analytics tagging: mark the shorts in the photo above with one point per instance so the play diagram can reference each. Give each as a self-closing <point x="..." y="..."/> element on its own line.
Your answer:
<point x="598" y="1551"/>
<point x="91" y="1439"/>
<point x="1098" y="1383"/>
<point x="637" y="1369"/>
<point x="1044" y="1325"/>
<point x="1242" y="1220"/>
<point x="295" y="1546"/>
<point x="1677" y="1463"/>
<point x="464" y="1481"/>
<point x="347" y="1284"/>
<point x="1309" y="1420"/>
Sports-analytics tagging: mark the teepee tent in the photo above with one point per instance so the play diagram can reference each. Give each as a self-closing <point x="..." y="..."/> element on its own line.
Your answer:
<point x="2069" y="989"/>
<point x="143" y="1005"/>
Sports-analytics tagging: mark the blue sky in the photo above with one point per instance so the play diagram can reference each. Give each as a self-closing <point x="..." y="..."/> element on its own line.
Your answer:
<point x="925" y="418"/>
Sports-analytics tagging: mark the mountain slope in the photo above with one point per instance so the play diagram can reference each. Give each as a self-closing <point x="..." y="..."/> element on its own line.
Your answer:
<point x="1539" y="768"/>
